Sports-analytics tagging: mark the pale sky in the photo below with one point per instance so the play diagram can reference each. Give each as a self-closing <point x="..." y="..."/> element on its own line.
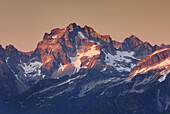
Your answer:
<point x="24" y="22"/>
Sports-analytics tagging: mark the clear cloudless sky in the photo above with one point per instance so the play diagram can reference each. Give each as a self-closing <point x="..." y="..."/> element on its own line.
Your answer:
<point x="24" y="22"/>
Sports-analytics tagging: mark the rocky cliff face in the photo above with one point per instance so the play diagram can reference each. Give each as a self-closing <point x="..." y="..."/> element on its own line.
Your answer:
<point x="64" y="52"/>
<point x="159" y="60"/>
<point x="140" y="48"/>
<point x="10" y="83"/>
<point x="162" y="46"/>
<point x="60" y="44"/>
<point x="130" y="42"/>
<point x="77" y="65"/>
<point x="71" y="49"/>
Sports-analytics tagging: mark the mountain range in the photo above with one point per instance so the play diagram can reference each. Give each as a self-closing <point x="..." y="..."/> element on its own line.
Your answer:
<point x="76" y="70"/>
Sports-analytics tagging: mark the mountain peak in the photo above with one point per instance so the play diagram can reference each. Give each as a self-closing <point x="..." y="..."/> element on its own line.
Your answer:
<point x="9" y="47"/>
<point x="47" y="36"/>
<point x="1" y="47"/>
<point x="72" y="25"/>
<point x="129" y="43"/>
<point x="164" y="46"/>
<point x="133" y="36"/>
<point x="1" y="51"/>
<point x="133" y="39"/>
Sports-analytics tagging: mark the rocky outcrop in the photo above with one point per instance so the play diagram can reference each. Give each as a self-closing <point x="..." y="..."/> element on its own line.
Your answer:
<point x="162" y="46"/>
<point x="91" y="33"/>
<point x="158" y="60"/>
<point x="133" y="43"/>
<point x="9" y="84"/>
<point x="130" y="43"/>
<point x="58" y="46"/>
<point x="140" y="48"/>
<point x="116" y="44"/>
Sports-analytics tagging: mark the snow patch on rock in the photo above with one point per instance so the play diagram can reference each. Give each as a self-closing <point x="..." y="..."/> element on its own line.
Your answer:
<point x="86" y="88"/>
<point x="54" y="36"/>
<point x="81" y="34"/>
<point x="164" y="64"/>
<point x="31" y="69"/>
<point x="121" y="56"/>
<point x="76" y="61"/>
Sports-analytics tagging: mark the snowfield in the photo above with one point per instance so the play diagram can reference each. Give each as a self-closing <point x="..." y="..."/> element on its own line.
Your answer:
<point x="120" y="57"/>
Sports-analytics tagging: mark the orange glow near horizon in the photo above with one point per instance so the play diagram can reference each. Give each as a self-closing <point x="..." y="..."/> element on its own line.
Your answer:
<point x="24" y="22"/>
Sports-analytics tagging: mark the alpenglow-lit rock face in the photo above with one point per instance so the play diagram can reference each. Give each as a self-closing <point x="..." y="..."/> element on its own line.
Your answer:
<point x="64" y="52"/>
<point x="71" y="49"/>
<point x="77" y="65"/>
<point x="159" y="60"/>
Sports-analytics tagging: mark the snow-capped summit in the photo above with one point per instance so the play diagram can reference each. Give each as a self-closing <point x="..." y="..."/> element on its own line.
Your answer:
<point x="69" y="50"/>
<point x="82" y="68"/>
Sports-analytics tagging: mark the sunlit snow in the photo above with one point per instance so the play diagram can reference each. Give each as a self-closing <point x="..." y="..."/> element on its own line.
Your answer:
<point x="164" y="64"/>
<point x="54" y="36"/>
<point x="81" y="34"/>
